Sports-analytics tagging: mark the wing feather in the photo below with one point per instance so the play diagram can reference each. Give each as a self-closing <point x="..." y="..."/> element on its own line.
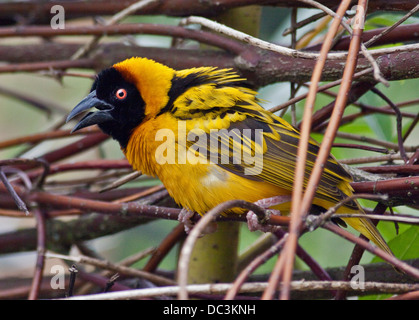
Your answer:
<point x="277" y="144"/>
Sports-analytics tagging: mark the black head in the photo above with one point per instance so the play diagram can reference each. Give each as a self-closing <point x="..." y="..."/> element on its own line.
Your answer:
<point x="119" y="103"/>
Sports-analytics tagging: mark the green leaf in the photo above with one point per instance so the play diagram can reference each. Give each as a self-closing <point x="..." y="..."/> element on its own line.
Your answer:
<point x="405" y="246"/>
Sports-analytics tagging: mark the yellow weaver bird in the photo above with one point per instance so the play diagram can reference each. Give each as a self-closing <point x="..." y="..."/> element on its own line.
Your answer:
<point x="149" y="108"/>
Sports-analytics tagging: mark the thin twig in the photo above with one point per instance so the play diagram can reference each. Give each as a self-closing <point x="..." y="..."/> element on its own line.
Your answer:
<point x="400" y="218"/>
<point x="401" y="265"/>
<point x="126" y="262"/>
<point x="411" y="127"/>
<point x="19" y="202"/>
<point x="254" y="287"/>
<point x="183" y="265"/>
<point x="387" y="158"/>
<point x="399" y="119"/>
<point x="164" y="248"/>
<point x="360" y="147"/>
<point x="141" y="194"/>
<point x="262" y="258"/>
<point x="300" y="203"/>
<point x="40" y="104"/>
<point x="122" y="29"/>
<point x="39" y="137"/>
<point x="302" y="23"/>
<point x="284" y="50"/>
<point x="392" y="27"/>
<point x="113" y="20"/>
<point x="111" y="282"/>
<point x="119" y="182"/>
<point x="114" y="267"/>
<point x="357" y="253"/>
<point x="46" y="65"/>
<point x="315" y="221"/>
<point x="385" y="144"/>
<point x="406" y="296"/>
<point x="377" y="74"/>
<point x="319" y="89"/>
<point x="73" y="274"/>
<point x="40" y="251"/>
<point x="409" y="169"/>
<point x="293" y="86"/>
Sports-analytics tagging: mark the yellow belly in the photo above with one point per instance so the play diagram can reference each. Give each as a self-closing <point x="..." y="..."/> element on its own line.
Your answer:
<point x="201" y="187"/>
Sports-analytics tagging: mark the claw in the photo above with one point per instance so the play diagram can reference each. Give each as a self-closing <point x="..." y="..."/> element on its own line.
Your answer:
<point x="253" y="221"/>
<point x="185" y="217"/>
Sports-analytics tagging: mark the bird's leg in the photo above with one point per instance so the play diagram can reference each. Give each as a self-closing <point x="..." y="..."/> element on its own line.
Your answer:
<point x="253" y="221"/>
<point x="185" y="216"/>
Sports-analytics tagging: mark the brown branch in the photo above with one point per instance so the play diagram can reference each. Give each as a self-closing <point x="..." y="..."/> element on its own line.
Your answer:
<point x="301" y="202"/>
<point x="40" y="259"/>
<point x="39" y="11"/>
<point x="399" y="118"/>
<point x="374" y="250"/>
<point x="37" y="66"/>
<point x="377" y="142"/>
<point x="406" y="296"/>
<point x="114" y="267"/>
<point x="39" y="104"/>
<point x="165" y="246"/>
<point x="408" y="169"/>
<point x="402" y="33"/>
<point x="357" y="90"/>
<point x="83" y="144"/>
<point x="411" y="127"/>
<point x="392" y="27"/>
<point x="367" y="109"/>
<point x="87" y="205"/>
<point x="100" y="164"/>
<point x="401" y="191"/>
<point x="260" y="67"/>
<point x="185" y="255"/>
<point x="319" y="89"/>
<point x="43" y="136"/>
<point x="127" y="29"/>
<point x="62" y="235"/>
<point x="19" y="202"/>
<point x="262" y="258"/>
<point x="357" y="253"/>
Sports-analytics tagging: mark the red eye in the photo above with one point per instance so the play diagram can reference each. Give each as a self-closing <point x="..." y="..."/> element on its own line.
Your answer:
<point x="121" y="94"/>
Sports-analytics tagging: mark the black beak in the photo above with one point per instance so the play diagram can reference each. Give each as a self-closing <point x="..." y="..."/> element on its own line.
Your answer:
<point x="97" y="117"/>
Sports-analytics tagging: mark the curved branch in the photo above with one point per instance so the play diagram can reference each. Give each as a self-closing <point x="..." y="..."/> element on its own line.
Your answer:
<point x="39" y="11"/>
<point x="260" y="67"/>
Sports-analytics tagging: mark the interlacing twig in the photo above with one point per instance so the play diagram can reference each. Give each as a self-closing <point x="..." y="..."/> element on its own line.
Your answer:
<point x="281" y="49"/>
<point x="115" y="19"/>
<point x="253" y="287"/>
<point x="301" y="203"/>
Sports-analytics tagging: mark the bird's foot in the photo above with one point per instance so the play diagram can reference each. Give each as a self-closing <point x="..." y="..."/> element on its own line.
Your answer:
<point x="185" y="217"/>
<point x="254" y="222"/>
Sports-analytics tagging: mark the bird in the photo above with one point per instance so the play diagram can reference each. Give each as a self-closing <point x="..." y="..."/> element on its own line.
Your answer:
<point x="205" y="134"/>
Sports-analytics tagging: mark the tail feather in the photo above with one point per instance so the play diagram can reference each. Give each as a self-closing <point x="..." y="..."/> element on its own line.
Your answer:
<point x="368" y="229"/>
